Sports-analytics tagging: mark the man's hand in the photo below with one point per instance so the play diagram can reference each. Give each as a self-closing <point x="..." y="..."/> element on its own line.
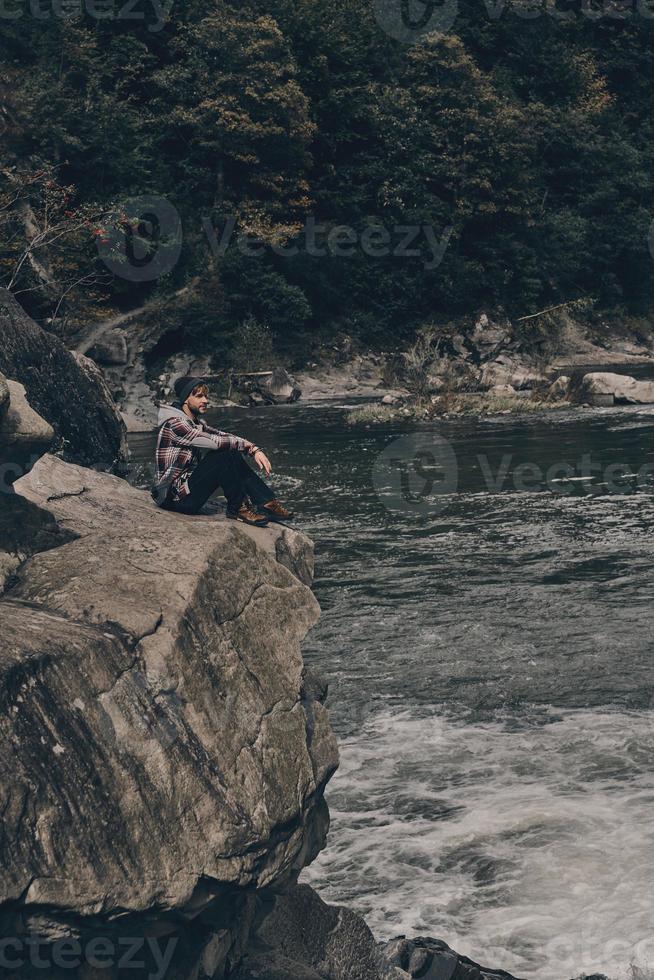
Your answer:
<point x="262" y="462"/>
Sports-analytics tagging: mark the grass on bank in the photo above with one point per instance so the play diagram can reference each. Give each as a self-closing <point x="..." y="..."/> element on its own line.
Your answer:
<point x="464" y="404"/>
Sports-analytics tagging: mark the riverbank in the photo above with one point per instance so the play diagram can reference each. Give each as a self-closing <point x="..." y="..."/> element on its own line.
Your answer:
<point x="456" y="405"/>
<point x="594" y="389"/>
<point x="470" y="356"/>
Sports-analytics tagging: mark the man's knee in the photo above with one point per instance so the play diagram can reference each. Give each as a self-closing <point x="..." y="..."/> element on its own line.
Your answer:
<point x="224" y="457"/>
<point x="214" y="464"/>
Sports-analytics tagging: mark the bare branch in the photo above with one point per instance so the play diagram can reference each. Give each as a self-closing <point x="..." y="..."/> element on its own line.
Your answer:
<point x="550" y="309"/>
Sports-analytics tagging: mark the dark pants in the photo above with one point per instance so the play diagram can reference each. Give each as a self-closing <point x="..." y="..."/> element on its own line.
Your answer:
<point x="225" y="468"/>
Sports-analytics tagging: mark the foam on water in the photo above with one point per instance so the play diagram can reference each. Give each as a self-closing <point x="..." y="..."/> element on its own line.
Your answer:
<point x="529" y="848"/>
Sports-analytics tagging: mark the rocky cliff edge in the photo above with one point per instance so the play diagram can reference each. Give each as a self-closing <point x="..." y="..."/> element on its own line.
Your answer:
<point x="160" y="743"/>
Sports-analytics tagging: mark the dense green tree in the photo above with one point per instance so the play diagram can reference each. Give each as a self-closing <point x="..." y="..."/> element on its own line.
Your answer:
<point x="523" y="138"/>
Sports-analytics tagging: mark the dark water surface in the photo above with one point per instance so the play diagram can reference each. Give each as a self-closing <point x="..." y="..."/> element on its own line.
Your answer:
<point x="487" y="591"/>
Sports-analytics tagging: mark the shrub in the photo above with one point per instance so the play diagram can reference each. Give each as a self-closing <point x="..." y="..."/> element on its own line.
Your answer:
<point x="252" y="348"/>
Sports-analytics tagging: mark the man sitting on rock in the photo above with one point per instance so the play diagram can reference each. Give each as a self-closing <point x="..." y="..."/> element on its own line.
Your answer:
<point x="184" y="480"/>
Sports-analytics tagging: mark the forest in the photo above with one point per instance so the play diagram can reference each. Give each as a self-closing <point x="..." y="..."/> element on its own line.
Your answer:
<point x="304" y="170"/>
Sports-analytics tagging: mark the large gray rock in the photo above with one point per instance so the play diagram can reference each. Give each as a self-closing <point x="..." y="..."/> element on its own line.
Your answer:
<point x="599" y="386"/>
<point x="432" y="959"/>
<point x="24" y="435"/>
<point x="111" y="348"/>
<point x="163" y="752"/>
<point x="488" y="338"/>
<point x="559" y="389"/>
<point x="297" y="936"/>
<point x="64" y="391"/>
<point x="510" y="369"/>
<point x="268" y="388"/>
<point x="502" y="390"/>
<point x="24" y="530"/>
<point x="4" y="397"/>
<point x="281" y="388"/>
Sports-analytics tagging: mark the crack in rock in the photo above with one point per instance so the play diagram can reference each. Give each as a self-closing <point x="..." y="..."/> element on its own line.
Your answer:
<point x="67" y="493"/>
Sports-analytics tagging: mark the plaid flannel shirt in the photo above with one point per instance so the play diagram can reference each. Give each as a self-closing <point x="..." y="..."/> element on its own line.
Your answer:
<point x="178" y="453"/>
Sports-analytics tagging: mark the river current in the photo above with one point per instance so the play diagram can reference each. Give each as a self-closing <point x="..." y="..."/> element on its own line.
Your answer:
<point x="487" y="591"/>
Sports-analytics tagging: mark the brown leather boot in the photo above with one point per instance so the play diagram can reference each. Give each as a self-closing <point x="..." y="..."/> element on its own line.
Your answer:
<point x="274" y="510"/>
<point x="247" y="515"/>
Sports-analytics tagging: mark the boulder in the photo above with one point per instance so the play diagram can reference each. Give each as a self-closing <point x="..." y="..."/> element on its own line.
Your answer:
<point x="111" y="348"/>
<point x="602" y="388"/>
<point x="274" y="387"/>
<point x="461" y="347"/>
<point x="432" y="959"/>
<point x="280" y="388"/>
<point x="25" y="529"/>
<point x="436" y="383"/>
<point x="559" y="389"/>
<point x="488" y="338"/>
<point x="498" y="372"/>
<point x="297" y="936"/>
<point x="164" y="755"/>
<point x="64" y="390"/>
<point x="502" y="390"/>
<point x="4" y="396"/>
<point x="631" y="348"/>
<point x="24" y="435"/>
<point x="508" y="369"/>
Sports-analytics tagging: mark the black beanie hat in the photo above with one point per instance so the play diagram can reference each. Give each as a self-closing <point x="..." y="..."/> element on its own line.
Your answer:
<point x="184" y="386"/>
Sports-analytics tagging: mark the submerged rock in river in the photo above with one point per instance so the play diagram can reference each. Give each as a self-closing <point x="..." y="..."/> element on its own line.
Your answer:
<point x="432" y="959"/>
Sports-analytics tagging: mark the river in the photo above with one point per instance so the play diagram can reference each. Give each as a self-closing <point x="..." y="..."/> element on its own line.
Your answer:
<point x="487" y="591"/>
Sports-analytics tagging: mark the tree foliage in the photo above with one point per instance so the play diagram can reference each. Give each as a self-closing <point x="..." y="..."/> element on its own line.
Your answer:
<point x="524" y="133"/>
